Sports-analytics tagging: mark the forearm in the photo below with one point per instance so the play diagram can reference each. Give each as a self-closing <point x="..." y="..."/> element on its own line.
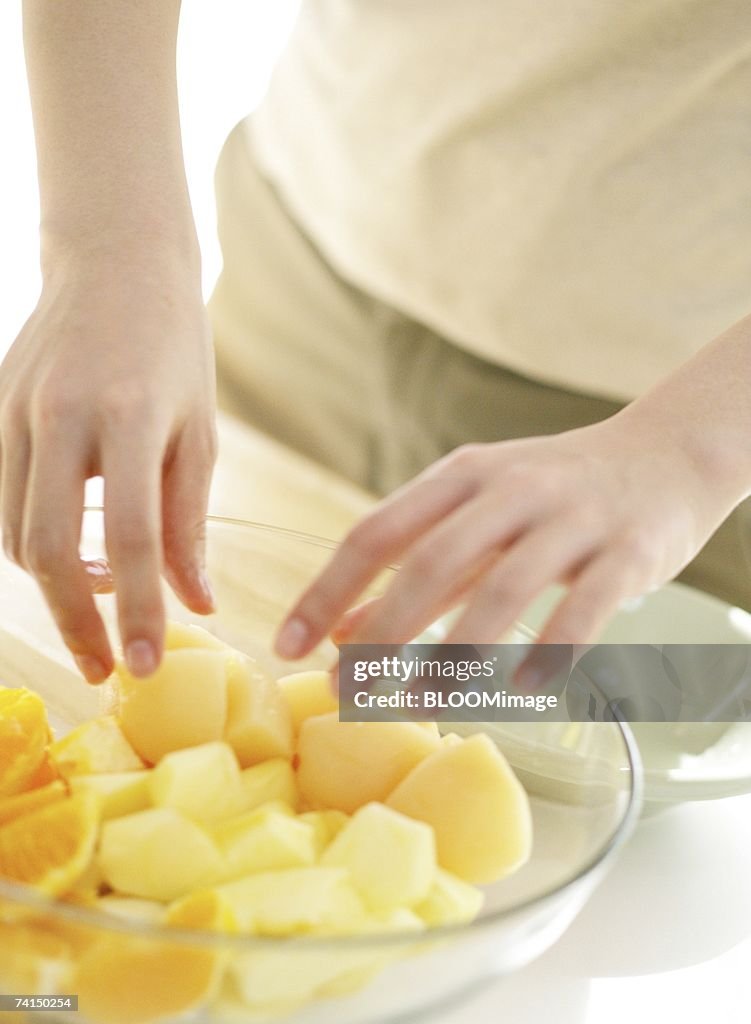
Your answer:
<point x="705" y="407"/>
<point x="104" y="97"/>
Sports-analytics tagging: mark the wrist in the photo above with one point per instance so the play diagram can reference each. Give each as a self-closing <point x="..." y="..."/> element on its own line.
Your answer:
<point x="139" y="237"/>
<point x="713" y="446"/>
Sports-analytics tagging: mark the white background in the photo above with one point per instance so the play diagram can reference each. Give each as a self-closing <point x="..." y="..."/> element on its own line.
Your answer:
<point x="226" y="51"/>
<point x="666" y="931"/>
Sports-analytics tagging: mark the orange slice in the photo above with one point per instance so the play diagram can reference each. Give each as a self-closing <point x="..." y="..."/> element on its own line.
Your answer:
<point x="24" y="735"/>
<point x="132" y="980"/>
<point x="94" y="747"/>
<point x="34" y="799"/>
<point x="50" y="848"/>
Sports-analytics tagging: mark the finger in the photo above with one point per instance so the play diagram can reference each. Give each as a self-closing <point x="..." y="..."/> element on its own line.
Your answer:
<point x="375" y="542"/>
<point x="592" y="600"/>
<point x="132" y="523"/>
<point x="16" y="451"/>
<point x="185" y="495"/>
<point x="51" y="535"/>
<point x="440" y="563"/>
<point x="540" y="558"/>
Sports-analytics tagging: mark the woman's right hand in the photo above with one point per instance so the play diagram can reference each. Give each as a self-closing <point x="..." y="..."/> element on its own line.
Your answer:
<point x="112" y="375"/>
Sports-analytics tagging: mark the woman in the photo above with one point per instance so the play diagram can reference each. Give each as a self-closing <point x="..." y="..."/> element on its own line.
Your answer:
<point x="446" y="224"/>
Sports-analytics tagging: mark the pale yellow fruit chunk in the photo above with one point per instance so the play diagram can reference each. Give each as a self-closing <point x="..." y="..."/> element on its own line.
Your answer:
<point x="118" y="793"/>
<point x="344" y="765"/>
<point x="180" y="635"/>
<point x="450" y="900"/>
<point x="203" y="782"/>
<point x="307" y="694"/>
<point x="271" y="780"/>
<point x="204" y="909"/>
<point x="476" y="805"/>
<point x="391" y="858"/>
<point x="158" y="854"/>
<point x="326" y="825"/>
<point x="94" y="747"/>
<point x="295" y="901"/>
<point x="258" y="720"/>
<point x="182" y="705"/>
<point x="131" y="908"/>
<point x="263" y="840"/>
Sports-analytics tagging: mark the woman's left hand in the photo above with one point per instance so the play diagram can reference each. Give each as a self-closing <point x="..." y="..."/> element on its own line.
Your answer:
<point x="611" y="510"/>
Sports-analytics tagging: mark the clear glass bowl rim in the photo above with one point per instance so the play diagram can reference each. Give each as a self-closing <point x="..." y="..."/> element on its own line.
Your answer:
<point x="23" y="896"/>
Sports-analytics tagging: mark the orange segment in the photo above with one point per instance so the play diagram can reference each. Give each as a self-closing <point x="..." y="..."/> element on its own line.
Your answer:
<point x="34" y="799"/>
<point x="24" y="735"/>
<point x="123" y="980"/>
<point x="51" y="847"/>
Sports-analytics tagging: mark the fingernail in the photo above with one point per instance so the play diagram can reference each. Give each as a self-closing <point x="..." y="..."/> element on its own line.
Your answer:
<point x="206" y="587"/>
<point x="292" y="639"/>
<point x="141" y="658"/>
<point x="91" y="668"/>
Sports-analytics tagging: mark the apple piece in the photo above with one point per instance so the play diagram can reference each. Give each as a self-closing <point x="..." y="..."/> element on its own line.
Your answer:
<point x="307" y="694"/>
<point x="118" y="793"/>
<point x="391" y="858"/>
<point x="93" y="747"/>
<point x="202" y="782"/>
<point x="158" y="854"/>
<point x="295" y="901"/>
<point x="258" y="720"/>
<point x="476" y="805"/>
<point x="450" y="900"/>
<point x="263" y="840"/>
<point x="182" y="705"/>
<point x="130" y="908"/>
<point x="343" y="765"/>
<point x="180" y="635"/>
<point x="271" y="780"/>
<point x="326" y="825"/>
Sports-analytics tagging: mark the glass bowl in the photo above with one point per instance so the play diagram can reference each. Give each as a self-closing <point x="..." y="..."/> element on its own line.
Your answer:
<point x="129" y="971"/>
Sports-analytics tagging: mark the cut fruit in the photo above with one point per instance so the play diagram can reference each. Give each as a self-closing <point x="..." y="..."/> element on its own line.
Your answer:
<point x="295" y="902"/>
<point x="476" y="805"/>
<point x="182" y="705"/>
<point x="95" y="747"/>
<point x="131" y="908"/>
<point x="118" y="793"/>
<point x="34" y="799"/>
<point x="158" y="855"/>
<point x="391" y="858"/>
<point x="180" y="635"/>
<point x="307" y="694"/>
<point x="24" y="735"/>
<point x="258" y="720"/>
<point x="50" y="848"/>
<point x="326" y="825"/>
<point x="202" y="782"/>
<point x="33" y="961"/>
<point x="450" y="901"/>
<point x="344" y="765"/>
<point x="272" y="780"/>
<point x="263" y="840"/>
<point x="204" y="909"/>
<point x="124" y="980"/>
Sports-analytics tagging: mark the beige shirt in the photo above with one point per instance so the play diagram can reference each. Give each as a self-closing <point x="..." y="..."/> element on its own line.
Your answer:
<point x="561" y="188"/>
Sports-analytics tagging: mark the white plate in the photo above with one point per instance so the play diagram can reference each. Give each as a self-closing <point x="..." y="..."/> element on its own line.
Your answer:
<point x="701" y="761"/>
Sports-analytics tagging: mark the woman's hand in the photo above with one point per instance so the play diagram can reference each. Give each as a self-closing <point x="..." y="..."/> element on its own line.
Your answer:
<point x="612" y="510"/>
<point x="112" y="375"/>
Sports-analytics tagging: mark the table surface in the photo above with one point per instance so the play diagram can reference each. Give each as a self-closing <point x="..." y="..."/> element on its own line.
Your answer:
<point x="667" y="936"/>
